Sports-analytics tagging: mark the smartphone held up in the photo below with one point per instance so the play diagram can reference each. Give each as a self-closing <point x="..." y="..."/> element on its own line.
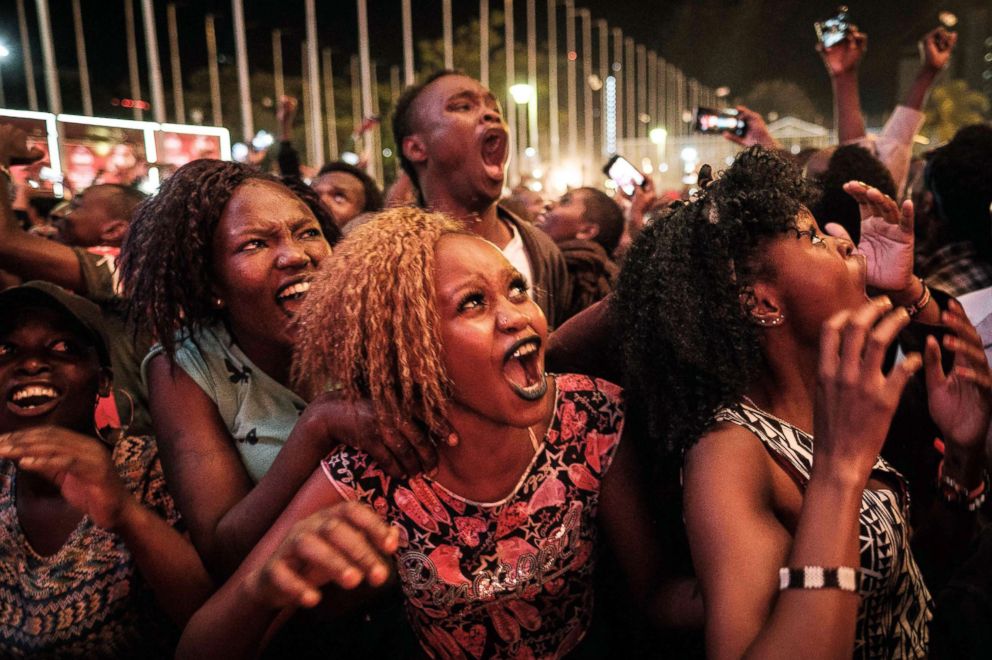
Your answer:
<point x="708" y="120"/>
<point x="835" y="29"/>
<point x="623" y="173"/>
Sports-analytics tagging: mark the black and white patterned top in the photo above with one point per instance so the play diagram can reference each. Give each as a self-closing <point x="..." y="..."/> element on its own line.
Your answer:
<point x="895" y="610"/>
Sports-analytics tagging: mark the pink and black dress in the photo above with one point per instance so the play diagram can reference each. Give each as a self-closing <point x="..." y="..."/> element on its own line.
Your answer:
<point x="511" y="578"/>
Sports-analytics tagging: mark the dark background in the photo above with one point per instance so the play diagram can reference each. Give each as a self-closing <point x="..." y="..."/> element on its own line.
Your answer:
<point x="720" y="42"/>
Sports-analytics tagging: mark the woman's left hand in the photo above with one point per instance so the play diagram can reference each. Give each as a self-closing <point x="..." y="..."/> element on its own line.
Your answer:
<point x="80" y="466"/>
<point x="886" y="238"/>
<point x="960" y="402"/>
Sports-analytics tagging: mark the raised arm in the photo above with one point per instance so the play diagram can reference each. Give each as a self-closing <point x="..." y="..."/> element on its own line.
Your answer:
<point x="734" y="494"/>
<point x="226" y="513"/>
<point x="25" y="255"/>
<point x="317" y="541"/>
<point x="960" y="404"/>
<point x="841" y="61"/>
<point x="935" y="52"/>
<point x="83" y="471"/>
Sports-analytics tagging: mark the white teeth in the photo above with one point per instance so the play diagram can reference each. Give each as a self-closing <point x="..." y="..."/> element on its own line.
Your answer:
<point x="524" y="350"/>
<point x="33" y="391"/>
<point x="295" y="290"/>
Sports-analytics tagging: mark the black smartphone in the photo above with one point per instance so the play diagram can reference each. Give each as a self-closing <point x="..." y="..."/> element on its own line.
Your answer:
<point x="624" y="174"/>
<point x="833" y="30"/>
<point x="717" y="121"/>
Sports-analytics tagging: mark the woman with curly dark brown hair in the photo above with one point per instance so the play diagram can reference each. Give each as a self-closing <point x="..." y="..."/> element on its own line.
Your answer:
<point x="747" y="333"/>
<point x="215" y="267"/>
<point x="494" y="552"/>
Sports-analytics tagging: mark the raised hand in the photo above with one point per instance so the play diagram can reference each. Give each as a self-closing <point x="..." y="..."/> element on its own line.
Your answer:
<point x="855" y="401"/>
<point x="886" y="237"/>
<point x="757" y="130"/>
<point x="345" y="544"/>
<point x="960" y="401"/>
<point x="936" y="47"/>
<point x="80" y="466"/>
<point x="844" y="57"/>
<point x="405" y="452"/>
<point x="285" y="115"/>
<point x="14" y="147"/>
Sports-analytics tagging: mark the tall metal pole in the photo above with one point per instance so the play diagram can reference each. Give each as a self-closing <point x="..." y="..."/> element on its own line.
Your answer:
<point x="212" y="69"/>
<point x="484" y="42"/>
<point x="132" y="56"/>
<point x="48" y="56"/>
<point x="308" y="92"/>
<point x="652" y="88"/>
<point x="570" y="73"/>
<point x="630" y="84"/>
<point x="588" y="146"/>
<point x="313" y="67"/>
<point x="642" y="90"/>
<point x="604" y="71"/>
<point x="532" y="137"/>
<point x="680" y="96"/>
<point x="449" y="49"/>
<point x="553" y="83"/>
<point x="619" y="74"/>
<point x="511" y="80"/>
<point x="395" y="88"/>
<point x="3" y="97"/>
<point x="377" y="128"/>
<point x="366" y="72"/>
<point x="84" y="69"/>
<point x="277" y="71"/>
<point x="356" y="96"/>
<point x="22" y="23"/>
<point x="241" y="54"/>
<point x="154" y="68"/>
<point x="663" y="93"/>
<point x="408" y="44"/>
<point x="177" y="69"/>
<point x="331" y="113"/>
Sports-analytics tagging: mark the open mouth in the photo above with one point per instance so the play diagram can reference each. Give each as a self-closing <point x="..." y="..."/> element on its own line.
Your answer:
<point x="523" y="369"/>
<point x="291" y="295"/>
<point x="32" y="400"/>
<point x="494" y="151"/>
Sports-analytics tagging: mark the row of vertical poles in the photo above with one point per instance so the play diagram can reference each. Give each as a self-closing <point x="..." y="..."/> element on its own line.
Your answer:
<point x="644" y="90"/>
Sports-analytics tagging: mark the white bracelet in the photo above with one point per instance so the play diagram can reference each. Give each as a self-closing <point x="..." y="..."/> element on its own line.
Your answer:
<point x="844" y="578"/>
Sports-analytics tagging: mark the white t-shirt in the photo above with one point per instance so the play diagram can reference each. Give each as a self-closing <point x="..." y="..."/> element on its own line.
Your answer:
<point x="517" y="255"/>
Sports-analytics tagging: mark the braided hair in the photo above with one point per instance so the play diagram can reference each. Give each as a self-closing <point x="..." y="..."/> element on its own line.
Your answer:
<point x="166" y="257"/>
<point x="685" y="293"/>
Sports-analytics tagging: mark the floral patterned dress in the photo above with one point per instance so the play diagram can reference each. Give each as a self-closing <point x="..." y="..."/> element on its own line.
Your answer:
<point x="511" y="578"/>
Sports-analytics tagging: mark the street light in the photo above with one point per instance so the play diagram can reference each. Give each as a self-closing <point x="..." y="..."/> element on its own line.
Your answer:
<point x="522" y="93"/>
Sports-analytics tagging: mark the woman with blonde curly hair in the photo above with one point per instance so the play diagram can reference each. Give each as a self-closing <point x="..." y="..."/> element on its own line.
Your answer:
<point x="495" y="550"/>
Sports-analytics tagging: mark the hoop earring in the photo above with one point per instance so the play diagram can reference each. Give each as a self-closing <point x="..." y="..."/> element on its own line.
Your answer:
<point x="123" y="429"/>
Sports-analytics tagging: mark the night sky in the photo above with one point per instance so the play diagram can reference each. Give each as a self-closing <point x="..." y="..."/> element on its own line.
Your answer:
<point x="720" y="42"/>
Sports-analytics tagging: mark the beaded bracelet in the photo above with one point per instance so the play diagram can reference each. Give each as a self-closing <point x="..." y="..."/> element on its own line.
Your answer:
<point x="957" y="494"/>
<point x="924" y="300"/>
<point x="844" y="578"/>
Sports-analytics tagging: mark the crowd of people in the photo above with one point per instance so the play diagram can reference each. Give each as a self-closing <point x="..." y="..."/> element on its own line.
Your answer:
<point x="267" y="414"/>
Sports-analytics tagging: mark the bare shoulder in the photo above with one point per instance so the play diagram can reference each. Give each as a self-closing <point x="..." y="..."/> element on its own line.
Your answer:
<point x="727" y="454"/>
